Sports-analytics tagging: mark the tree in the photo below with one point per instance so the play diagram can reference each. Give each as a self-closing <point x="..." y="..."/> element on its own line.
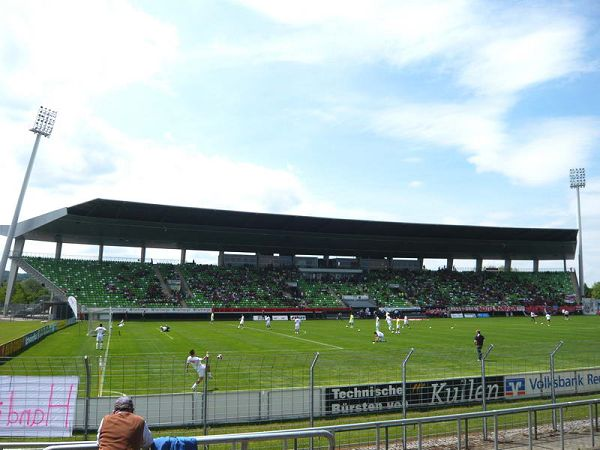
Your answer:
<point x="26" y="291"/>
<point x="594" y="292"/>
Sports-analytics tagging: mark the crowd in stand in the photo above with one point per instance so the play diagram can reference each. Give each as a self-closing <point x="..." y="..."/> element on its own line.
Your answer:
<point x="140" y="284"/>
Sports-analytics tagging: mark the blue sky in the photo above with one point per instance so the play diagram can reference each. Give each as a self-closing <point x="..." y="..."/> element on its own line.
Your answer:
<point x="453" y="111"/>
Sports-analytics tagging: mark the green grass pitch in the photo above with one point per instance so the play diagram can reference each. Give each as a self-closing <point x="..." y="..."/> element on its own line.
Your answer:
<point x="142" y="360"/>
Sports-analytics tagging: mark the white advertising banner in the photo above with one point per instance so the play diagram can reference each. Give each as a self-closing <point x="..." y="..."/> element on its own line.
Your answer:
<point x="540" y="384"/>
<point x="37" y="406"/>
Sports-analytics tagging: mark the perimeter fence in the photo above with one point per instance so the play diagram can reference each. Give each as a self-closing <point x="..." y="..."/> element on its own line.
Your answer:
<point x="313" y="389"/>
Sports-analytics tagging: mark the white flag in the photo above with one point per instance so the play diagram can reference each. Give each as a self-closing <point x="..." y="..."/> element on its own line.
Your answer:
<point x="73" y="304"/>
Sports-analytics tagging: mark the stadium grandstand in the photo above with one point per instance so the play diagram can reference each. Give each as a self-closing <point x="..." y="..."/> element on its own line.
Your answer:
<point x="277" y="262"/>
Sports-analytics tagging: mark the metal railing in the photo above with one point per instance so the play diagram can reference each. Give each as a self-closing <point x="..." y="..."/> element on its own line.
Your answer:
<point x="381" y="430"/>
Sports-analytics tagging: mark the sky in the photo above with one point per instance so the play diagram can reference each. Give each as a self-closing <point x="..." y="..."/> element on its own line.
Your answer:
<point x="446" y="112"/>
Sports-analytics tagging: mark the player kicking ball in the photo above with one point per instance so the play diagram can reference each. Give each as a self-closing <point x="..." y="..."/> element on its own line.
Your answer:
<point x="200" y="365"/>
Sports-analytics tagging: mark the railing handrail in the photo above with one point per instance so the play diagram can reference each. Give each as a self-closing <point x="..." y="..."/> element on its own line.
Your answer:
<point x="328" y="431"/>
<point x="228" y="438"/>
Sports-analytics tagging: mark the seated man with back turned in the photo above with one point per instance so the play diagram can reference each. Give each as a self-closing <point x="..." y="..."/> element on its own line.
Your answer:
<point x="123" y="430"/>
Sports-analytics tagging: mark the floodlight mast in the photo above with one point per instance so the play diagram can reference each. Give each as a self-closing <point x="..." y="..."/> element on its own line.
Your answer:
<point x="43" y="126"/>
<point x="577" y="177"/>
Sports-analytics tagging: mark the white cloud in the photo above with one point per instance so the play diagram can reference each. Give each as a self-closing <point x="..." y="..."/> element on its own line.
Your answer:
<point x="67" y="52"/>
<point x="415" y="184"/>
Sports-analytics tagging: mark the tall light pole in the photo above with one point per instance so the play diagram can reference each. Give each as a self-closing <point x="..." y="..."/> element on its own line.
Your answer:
<point x="577" y="177"/>
<point x="44" y="124"/>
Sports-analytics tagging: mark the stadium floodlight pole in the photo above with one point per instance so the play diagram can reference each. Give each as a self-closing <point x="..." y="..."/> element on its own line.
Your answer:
<point x="577" y="177"/>
<point x="44" y="124"/>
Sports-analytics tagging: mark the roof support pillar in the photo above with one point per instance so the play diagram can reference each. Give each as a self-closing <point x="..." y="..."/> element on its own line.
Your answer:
<point x="390" y="262"/>
<point x="221" y="259"/>
<point x="449" y="263"/>
<point x="420" y="261"/>
<point x="14" y="267"/>
<point x="564" y="264"/>
<point x="182" y="258"/>
<point x="536" y="265"/>
<point x="507" y="264"/>
<point x="58" y="250"/>
<point x="100" y="252"/>
<point x="478" y="264"/>
<point x="143" y="254"/>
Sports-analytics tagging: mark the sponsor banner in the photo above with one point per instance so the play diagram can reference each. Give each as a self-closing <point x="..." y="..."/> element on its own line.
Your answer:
<point x="483" y="315"/>
<point x="388" y="396"/>
<point x="279" y="317"/>
<point x="37" y="406"/>
<point x="591" y="307"/>
<point x="298" y="316"/>
<point x="456" y="315"/>
<point x="258" y="317"/>
<point x="152" y="310"/>
<point x="470" y="315"/>
<point x="540" y="384"/>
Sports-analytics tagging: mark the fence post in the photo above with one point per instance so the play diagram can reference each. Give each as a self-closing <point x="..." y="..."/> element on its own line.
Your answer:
<point x="205" y="398"/>
<point x="483" y="399"/>
<point x="86" y="419"/>
<point x="552" y="389"/>
<point x="404" y="396"/>
<point x="312" y="395"/>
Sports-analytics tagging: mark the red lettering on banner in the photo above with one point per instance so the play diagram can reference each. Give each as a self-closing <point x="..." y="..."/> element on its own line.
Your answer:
<point x="36" y="417"/>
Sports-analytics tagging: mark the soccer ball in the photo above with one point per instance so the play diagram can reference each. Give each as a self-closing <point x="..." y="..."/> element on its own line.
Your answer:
<point x="359" y="329"/>
<point x="219" y="356"/>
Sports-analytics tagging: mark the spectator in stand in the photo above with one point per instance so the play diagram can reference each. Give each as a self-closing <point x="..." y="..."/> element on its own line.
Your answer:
<point x="123" y="430"/>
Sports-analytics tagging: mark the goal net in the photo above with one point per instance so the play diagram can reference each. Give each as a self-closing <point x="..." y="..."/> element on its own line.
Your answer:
<point x="97" y="316"/>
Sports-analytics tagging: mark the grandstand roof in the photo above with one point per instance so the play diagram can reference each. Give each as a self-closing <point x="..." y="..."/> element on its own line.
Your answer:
<point x="131" y="224"/>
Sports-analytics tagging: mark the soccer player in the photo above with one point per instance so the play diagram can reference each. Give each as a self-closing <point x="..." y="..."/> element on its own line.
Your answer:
<point x="165" y="328"/>
<point x="565" y="314"/>
<point x="478" y="341"/>
<point x="212" y="317"/>
<point x="268" y="321"/>
<point x="398" y="325"/>
<point x="121" y="325"/>
<point x="406" y="322"/>
<point x="351" y="321"/>
<point x="100" y="330"/>
<point x="388" y="319"/>
<point x="548" y="318"/>
<point x="533" y="316"/>
<point x="378" y="336"/>
<point x="241" y="325"/>
<point x="376" y="322"/>
<point x="200" y="365"/>
<point x="297" y="322"/>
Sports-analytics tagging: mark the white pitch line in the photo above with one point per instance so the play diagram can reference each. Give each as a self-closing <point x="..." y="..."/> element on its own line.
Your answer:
<point x="293" y="337"/>
<point x="101" y="384"/>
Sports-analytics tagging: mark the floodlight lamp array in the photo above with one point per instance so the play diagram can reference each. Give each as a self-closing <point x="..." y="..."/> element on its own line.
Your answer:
<point x="577" y="177"/>
<point x="44" y="123"/>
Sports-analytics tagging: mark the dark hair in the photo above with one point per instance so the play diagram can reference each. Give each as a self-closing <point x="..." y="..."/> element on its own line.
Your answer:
<point x="192" y="352"/>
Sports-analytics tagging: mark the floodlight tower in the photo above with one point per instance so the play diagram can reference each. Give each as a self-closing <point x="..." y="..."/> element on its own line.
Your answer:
<point x="44" y="124"/>
<point x="577" y="177"/>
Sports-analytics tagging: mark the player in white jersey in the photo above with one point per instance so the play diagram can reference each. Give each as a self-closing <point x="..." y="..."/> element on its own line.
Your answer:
<point x="388" y="319"/>
<point x="351" y="321"/>
<point x="100" y="330"/>
<point x="376" y="322"/>
<point x="212" y="317"/>
<point x="121" y="325"/>
<point x="378" y="336"/>
<point x="200" y="365"/>
<point x="565" y="313"/>
<point x="533" y="316"/>
<point x="297" y="322"/>
<point x="548" y="318"/>
<point x="405" y="321"/>
<point x="268" y="321"/>
<point x="241" y="325"/>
